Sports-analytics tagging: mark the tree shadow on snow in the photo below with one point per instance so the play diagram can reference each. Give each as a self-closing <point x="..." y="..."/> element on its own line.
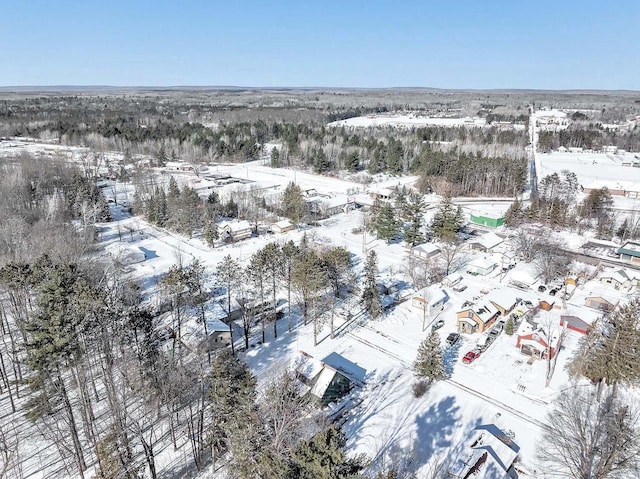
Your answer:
<point x="450" y="357"/>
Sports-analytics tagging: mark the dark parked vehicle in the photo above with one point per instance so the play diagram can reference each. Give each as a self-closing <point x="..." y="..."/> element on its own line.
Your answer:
<point x="453" y="338"/>
<point x="438" y="324"/>
<point x="553" y="292"/>
<point x="542" y="289"/>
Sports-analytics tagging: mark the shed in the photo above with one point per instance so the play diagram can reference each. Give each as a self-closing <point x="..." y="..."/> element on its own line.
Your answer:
<point x="282" y="226"/>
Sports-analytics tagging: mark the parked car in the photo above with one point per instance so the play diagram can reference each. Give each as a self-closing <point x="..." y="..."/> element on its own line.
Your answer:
<point x="553" y="292"/>
<point x="460" y="288"/>
<point x="495" y="332"/>
<point x="542" y="288"/>
<point x="437" y="325"/>
<point x="499" y="325"/>
<point x="471" y="356"/>
<point x="528" y="304"/>
<point x="453" y="338"/>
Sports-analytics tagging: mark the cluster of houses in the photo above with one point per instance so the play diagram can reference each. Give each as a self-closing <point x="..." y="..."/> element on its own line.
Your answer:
<point x="574" y="302"/>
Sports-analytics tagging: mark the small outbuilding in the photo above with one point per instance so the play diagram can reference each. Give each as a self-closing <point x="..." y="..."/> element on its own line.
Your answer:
<point x="282" y="226"/>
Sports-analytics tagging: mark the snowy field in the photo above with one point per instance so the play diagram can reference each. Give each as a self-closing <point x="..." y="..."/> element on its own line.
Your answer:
<point x="406" y="121"/>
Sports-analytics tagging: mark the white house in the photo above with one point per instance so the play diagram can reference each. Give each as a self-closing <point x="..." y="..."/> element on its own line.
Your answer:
<point x="486" y="242"/>
<point x="235" y="230"/>
<point x="425" y="250"/>
<point x="430" y="300"/>
<point x="481" y="267"/>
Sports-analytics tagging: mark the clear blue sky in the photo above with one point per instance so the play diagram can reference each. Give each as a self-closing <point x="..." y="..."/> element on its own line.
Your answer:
<point x="349" y="43"/>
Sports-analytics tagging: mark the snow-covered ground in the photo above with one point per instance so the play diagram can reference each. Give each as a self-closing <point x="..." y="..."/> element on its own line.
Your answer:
<point x="386" y="421"/>
<point x="499" y="388"/>
<point x="406" y="120"/>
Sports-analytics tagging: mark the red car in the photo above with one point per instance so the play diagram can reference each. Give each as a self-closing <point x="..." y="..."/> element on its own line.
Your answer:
<point x="470" y="357"/>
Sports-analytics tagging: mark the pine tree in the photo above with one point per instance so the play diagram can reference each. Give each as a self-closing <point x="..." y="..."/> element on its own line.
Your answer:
<point x="413" y="211"/>
<point x="386" y="226"/>
<point x="447" y="221"/>
<point x="275" y="158"/>
<point x="370" y="295"/>
<point x="509" y="327"/>
<point x="293" y="204"/>
<point x="323" y="457"/>
<point x="429" y="363"/>
<point x="210" y="233"/>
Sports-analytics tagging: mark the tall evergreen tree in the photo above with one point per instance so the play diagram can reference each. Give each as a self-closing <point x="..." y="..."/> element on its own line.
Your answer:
<point x="293" y="204"/>
<point x="386" y="226"/>
<point x="429" y="363"/>
<point x="447" y="220"/>
<point x="370" y="296"/>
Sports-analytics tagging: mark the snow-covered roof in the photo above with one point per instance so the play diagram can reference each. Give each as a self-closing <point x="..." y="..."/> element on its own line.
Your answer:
<point x="307" y="365"/>
<point x="589" y="316"/>
<point x="283" y="224"/>
<point x="426" y="248"/>
<point x="613" y="185"/>
<point x="619" y="276"/>
<point x="488" y="241"/>
<point x="523" y="274"/>
<point x="505" y="297"/>
<point x="487" y="452"/>
<point x="235" y="226"/>
<point x="485" y="310"/>
<point x="482" y="263"/>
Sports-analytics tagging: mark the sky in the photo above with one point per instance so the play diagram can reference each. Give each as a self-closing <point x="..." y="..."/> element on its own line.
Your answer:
<point x="481" y="44"/>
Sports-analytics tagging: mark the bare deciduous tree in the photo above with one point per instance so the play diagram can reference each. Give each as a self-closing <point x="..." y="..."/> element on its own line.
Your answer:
<point x="590" y="439"/>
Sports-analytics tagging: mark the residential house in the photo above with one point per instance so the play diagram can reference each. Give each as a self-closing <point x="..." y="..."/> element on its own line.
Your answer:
<point x="485" y="243"/>
<point x="476" y="317"/>
<point x="235" y="230"/>
<point x="619" y="279"/>
<point x="481" y="267"/>
<point x="533" y="341"/>
<point x="452" y="279"/>
<point x="216" y="336"/>
<point x="602" y="301"/>
<point x="504" y="299"/>
<point x="425" y="251"/>
<point x="522" y="277"/>
<point x="282" y="226"/>
<point x="430" y="300"/>
<point x="487" y="453"/>
<point x="328" y="380"/>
